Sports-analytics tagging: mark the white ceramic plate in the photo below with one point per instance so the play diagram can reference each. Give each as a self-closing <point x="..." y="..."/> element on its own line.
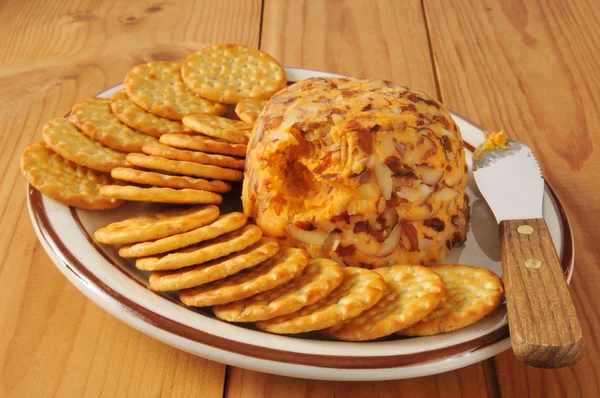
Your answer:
<point x="120" y="289"/>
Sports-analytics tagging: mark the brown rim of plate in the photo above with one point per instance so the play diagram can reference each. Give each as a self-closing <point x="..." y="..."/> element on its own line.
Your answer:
<point x="265" y="353"/>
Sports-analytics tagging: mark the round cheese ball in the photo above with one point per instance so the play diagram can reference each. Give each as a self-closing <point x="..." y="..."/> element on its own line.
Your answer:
<point x="365" y="172"/>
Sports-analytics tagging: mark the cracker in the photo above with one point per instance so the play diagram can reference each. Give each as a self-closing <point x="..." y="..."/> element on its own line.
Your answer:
<point x="185" y="168"/>
<point x="141" y="120"/>
<point x="360" y="290"/>
<point x="249" y="109"/>
<point x="198" y="254"/>
<point x="168" y="152"/>
<point x="319" y="278"/>
<point x="65" y="181"/>
<point x="160" y="195"/>
<point x="203" y="144"/>
<point x="219" y="127"/>
<point x="168" y="181"/>
<point x="224" y="224"/>
<point x="272" y="273"/>
<point x="471" y="294"/>
<point x="217" y="269"/>
<point x="94" y="117"/>
<point x="412" y="292"/>
<point x="157" y="225"/>
<point x="229" y="73"/>
<point x="157" y="87"/>
<point x="64" y="138"/>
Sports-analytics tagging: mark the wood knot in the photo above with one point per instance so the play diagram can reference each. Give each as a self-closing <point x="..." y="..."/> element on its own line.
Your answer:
<point x="153" y="9"/>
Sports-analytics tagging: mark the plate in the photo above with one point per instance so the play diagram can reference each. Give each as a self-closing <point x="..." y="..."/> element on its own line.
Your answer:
<point x="119" y="288"/>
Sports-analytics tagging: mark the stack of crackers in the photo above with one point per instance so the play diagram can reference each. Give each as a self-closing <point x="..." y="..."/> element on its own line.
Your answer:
<point x="222" y="262"/>
<point x="164" y="138"/>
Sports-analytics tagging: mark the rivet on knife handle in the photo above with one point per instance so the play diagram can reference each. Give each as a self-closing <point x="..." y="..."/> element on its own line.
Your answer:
<point x="544" y="329"/>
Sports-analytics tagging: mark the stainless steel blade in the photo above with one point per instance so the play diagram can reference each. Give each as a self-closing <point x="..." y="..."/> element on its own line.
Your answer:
<point x="511" y="182"/>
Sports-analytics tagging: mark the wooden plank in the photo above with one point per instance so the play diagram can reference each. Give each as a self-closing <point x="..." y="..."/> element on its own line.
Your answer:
<point x="53" y="341"/>
<point x="386" y="40"/>
<point x="532" y="69"/>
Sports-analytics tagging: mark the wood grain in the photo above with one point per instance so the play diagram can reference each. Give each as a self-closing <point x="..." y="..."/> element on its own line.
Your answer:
<point x="531" y="68"/>
<point x="54" y="341"/>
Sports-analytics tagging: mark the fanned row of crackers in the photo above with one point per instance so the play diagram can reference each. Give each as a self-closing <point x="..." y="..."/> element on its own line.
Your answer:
<point x="222" y="262"/>
<point x="164" y="138"/>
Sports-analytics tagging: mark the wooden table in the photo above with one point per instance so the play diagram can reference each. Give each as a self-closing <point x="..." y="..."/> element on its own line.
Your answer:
<point x="529" y="67"/>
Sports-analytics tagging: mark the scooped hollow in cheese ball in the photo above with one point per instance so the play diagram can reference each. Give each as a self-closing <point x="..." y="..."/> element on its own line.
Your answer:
<point x="365" y="172"/>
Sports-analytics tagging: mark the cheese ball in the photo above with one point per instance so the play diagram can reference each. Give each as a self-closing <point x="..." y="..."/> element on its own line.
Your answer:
<point x="365" y="172"/>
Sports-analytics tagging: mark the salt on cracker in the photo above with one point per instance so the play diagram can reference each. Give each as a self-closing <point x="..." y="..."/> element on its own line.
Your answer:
<point x="272" y="273"/>
<point x="471" y="294"/>
<point x="157" y="225"/>
<point x="412" y="293"/>
<point x="230" y="73"/>
<point x="219" y="127"/>
<point x="319" y="278"/>
<point x="206" y="251"/>
<point x="65" y="181"/>
<point x="139" y="119"/>
<point x="184" y="168"/>
<point x="64" y="138"/>
<point x="168" y="181"/>
<point x="217" y="269"/>
<point x="203" y="144"/>
<point x="160" y="195"/>
<point x="94" y="117"/>
<point x="165" y="151"/>
<point x="221" y="226"/>
<point x="249" y="109"/>
<point x="157" y="87"/>
<point x="360" y="290"/>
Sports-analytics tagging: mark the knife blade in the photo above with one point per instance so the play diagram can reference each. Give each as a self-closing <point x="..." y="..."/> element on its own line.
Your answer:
<point x="544" y="328"/>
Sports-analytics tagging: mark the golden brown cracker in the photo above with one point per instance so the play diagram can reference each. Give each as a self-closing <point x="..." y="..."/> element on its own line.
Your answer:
<point x="249" y="109"/>
<point x="157" y="225"/>
<point x="272" y="273"/>
<point x="168" y="181"/>
<point x="219" y="127"/>
<point x="229" y="73"/>
<point x="221" y="226"/>
<point x="360" y="290"/>
<point x="157" y="87"/>
<point x="217" y="269"/>
<point x="412" y="292"/>
<point x="206" y="251"/>
<point x="165" y="151"/>
<point x="160" y="195"/>
<point x="94" y="117"/>
<point x="64" y="138"/>
<point x="471" y="294"/>
<point x="65" y="181"/>
<point x="319" y="278"/>
<point x="203" y="144"/>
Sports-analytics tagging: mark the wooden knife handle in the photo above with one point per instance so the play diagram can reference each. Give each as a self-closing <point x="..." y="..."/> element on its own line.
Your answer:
<point x="544" y="329"/>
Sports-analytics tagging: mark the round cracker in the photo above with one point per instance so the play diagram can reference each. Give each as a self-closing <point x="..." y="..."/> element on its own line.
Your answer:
<point x="203" y="144"/>
<point x="139" y="119"/>
<point x="64" y="138"/>
<point x="249" y="109"/>
<point x="157" y="87"/>
<point x="160" y="195"/>
<point x="217" y="269"/>
<point x="272" y="273"/>
<point x="184" y="168"/>
<point x="412" y="292"/>
<point x="219" y="127"/>
<point x="360" y="290"/>
<point x="157" y="225"/>
<point x="64" y="181"/>
<point x="165" y="151"/>
<point x="168" y="181"/>
<point x="221" y="226"/>
<point x="471" y="294"/>
<point x="94" y="117"/>
<point x="198" y="254"/>
<point x="319" y="278"/>
<point x="229" y="73"/>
